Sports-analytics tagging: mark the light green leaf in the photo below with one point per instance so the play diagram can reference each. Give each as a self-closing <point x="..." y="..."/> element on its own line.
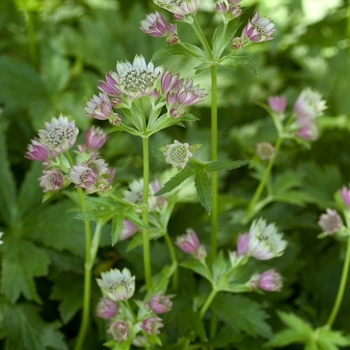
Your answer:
<point x="24" y="329"/>
<point x="233" y="62"/>
<point x="182" y="49"/>
<point x="160" y="281"/>
<point x="203" y="187"/>
<point x="94" y="214"/>
<point x="228" y="165"/>
<point x="117" y="226"/>
<point x="22" y="262"/>
<point x="198" y="267"/>
<point x="132" y="216"/>
<point x="242" y="314"/>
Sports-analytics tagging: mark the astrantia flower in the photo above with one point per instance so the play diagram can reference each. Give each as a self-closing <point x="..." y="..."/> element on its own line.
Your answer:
<point x="189" y="243"/>
<point x="169" y="82"/>
<point x="330" y="222"/>
<point x="106" y="308"/>
<point x="117" y="285"/>
<point x="160" y="303"/>
<point x="270" y="281"/>
<point x="177" y="154"/>
<point x="38" y="151"/>
<point x="152" y="325"/>
<point x="277" y="104"/>
<point x="308" y="129"/>
<point x="345" y="194"/>
<point x="265" y="150"/>
<point x="109" y="86"/>
<point x="119" y="331"/>
<point x="258" y="29"/>
<point x="95" y="138"/>
<point x="59" y="135"/>
<point x="237" y="43"/>
<point x="51" y="180"/>
<point x="242" y="244"/>
<point x="309" y="104"/>
<point x="264" y="241"/>
<point x="154" y="25"/>
<point x="82" y="176"/>
<point x="137" y="79"/>
<point x="99" y="107"/>
<point x="179" y="7"/>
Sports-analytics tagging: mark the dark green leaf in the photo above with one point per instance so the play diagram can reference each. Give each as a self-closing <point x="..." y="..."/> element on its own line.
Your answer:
<point x="182" y="49"/>
<point x="242" y="314"/>
<point x="132" y="216"/>
<point x="198" y="267"/>
<point x="117" y="226"/>
<point x="94" y="215"/>
<point x="228" y="165"/>
<point x="233" y="62"/>
<point x="203" y="188"/>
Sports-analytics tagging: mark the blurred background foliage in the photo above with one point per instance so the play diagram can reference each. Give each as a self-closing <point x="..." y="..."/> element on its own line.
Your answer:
<point x="54" y="52"/>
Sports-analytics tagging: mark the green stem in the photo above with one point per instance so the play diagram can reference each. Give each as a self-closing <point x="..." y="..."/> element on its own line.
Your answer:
<point x="175" y="277"/>
<point x="214" y="174"/>
<point x="198" y="30"/>
<point x="146" y="180"/>
<point x="343" y="280"/>
<point x="31" y="38"/>
<point x="87" y="278"/>
<point x="207" y="303"/>
<point x="263" y="181"/>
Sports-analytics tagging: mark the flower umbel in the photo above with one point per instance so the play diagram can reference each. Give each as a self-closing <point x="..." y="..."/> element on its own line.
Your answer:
<point x="117" y="285"/>
<point x="330" y="222"/>
<point x="258" y="29"/>
<point x="264" y="241"/>
<point x="178" y="154"/>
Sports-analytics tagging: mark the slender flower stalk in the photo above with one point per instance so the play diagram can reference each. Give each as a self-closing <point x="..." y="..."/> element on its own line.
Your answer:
<point x="175" y="277"/>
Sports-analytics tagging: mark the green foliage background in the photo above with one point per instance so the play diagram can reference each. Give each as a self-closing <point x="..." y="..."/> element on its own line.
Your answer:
<point x="53" y="53"/>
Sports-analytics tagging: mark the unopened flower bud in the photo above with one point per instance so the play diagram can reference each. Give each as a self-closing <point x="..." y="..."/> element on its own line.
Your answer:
<point x="270" y="281"/>
<point x="106" y="308"/>
<point x="152" y="325"/>
<point x="345" y="194"/>
<point x="277" y="104"/>
<point x="265" y="151"/>
<point x="237" y="43"/>
<point x="160" y="303"/>
<point x="119" y="331"/>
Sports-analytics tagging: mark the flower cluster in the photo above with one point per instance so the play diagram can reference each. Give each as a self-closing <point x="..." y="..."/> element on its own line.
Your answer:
<point x="89" y="171"/>
<point x="119" y="286"/>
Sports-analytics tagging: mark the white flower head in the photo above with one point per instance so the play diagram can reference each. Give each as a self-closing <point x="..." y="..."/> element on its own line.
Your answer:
<point x="178" y="154"/>
<point x="137" y="79"/>
<point x="179" y="7"/>
<point x="117" y="285"/>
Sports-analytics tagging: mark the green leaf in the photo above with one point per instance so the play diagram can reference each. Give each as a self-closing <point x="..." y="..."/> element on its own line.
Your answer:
<point x="94" y="214"/>
<point x="228" y="165"/>
<point x="24" y="329"/>
<point x="198" y="267"/>
<point x="242" y="314"/>
<point x="132" y="216"/>
<point x="203" y="187"/>
<point x="22" y="262"/>
<point x="233" y="62"/>
<point x="160" y="281"/>
<point x="8" y="199"/>
<point x="182" y="49"/>
<point x="70" y="298"/>
<point x="117" y="226"/>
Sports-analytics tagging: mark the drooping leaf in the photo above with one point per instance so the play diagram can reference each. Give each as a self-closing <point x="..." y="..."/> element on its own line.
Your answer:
<point x="203" y="187"/>
<point x="233" y="62"/>
<point x="22" y="262"/>
<point x="24" y="329"/>
<point x="242" y="314"/>
<point x="182" y="49"/>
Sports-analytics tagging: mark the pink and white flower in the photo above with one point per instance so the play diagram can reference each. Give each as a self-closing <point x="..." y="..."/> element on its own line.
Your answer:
<point x="179" y="8"/>
<point x="258" y="29"/>
<point x="106" y="308"/>
<point x="99" y="107"/>
<point x="51" y="180"/>
<point x="330" y="222"/>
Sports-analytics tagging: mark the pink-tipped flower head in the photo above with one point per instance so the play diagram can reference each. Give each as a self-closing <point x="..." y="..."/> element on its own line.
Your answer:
<point x="160" y="304"/>
<point x="188" y="242"/>
<point x="169" y="82"/>
<point x="178" y="154"/>
<point x="154" y="25"/>
<point x="242" y="244"/>
<point x="345" y="194"/>
<point x="109" y="86"/>
<point x="119" y="330"/>
<point x="51" y="180"/>
<point x="38" y="151"/>
<point x="265" y="150"/>
<point x="137" y="79"/>
<point x="277" y="104"/>
<point x="258" y="29"/>
<point x="330" y="222"/>
<point x="99" y="107"/>
<point x="264" y="241"/>
<point x="59" y="135"/>
<point x="95" y="138"/>
<point x="106" y="308"/>
<point x="152" y="325"/>
<point x="309" y="105"/>
<point x="82" y="176"/>
<point x="270" y="281"/>
<point x="179" y="8"/>
<point x="117" y="285"/>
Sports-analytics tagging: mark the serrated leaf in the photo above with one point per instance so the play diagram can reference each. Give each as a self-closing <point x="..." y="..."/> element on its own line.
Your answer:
<point x="94" y="214"/>
<point x="132" y="216"/>
<point x="226" y="165"/>
<point x="233" y="62"/>
<point x="117" y="226"/>
<point x="203" y="187"/>
<point x="8" y="199"/>
<point x="160" y="281"/>
<point x="24" y="329"/>
<point x="177" y="180"/>
<point x="196" y="266"/>
<point x="70" y="298"/>
<point x="182" y="49"/>
<point x="223" y="35"/>
<point x="242" y="314"/>
<point x="22" y="262"/>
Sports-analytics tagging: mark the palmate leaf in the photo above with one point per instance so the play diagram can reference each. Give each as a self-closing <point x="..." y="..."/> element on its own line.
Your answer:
<point x="182" y="49"/>
<point x="24" y="329"/>
<point x="22" y="262"/>
<point x="242" y="314"/>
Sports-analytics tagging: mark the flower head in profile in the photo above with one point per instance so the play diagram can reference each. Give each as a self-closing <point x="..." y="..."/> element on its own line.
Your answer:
<point x="177" y="154"/>
<point x="109" y="86"/>
<point x="345" y="194"/>
<point x="179" y="8"/>
<point x="269" y="281"/>
<point x="189" y="243"/>
<point x="38" y="151"/>
<point x="137" y="79"/>
<point x="99" y="107"/>
<point x="51" y="180"/>
<point x="160" y="303"/>
<point x="258" y="29"/>
<point x="117" y="285"/>
<point x="59" y="135"/>
<point x="154" y="25"/>
<point x="106" y="308"/>
<point x="277" y="104"/>
<point x="95" y="138"/>
<point x="264" y="241"/>
<point x="119" y="330"/>
<point x="152" y="325"/>
<point x="330" y="222"/>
